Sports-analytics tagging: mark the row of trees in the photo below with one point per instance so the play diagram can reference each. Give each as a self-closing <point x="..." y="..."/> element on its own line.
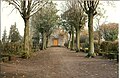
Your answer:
<point x="77" y="19"/>
<point x="27" y="8"/>
<point x="78" y="11"/>
<point x="41" y="15"/>
<point x="43" y="22"/>
<point x="76" y="15"/>
<point x="11" y="44"/>
<point x="14" y="35"/>
<point x="44" y="19"/>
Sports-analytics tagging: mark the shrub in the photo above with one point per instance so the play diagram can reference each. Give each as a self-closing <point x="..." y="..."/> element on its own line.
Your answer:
<point x="84" y="38"/>
<point x="96" y="44"/>
<point x="1" y="46"/>
<point x="115" y="46"/>
<point x="66" y="44"/>
<point x="12" y="48"/>
<point x="109" y="46"/>
<point x="82" y="45"/>
<point x="110" y="49"/>
<point x="110" y="31"/>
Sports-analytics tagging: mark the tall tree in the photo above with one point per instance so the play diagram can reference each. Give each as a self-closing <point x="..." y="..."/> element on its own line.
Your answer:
<point x="98" y="18"/>
<point x="73" y="39"/>
<point x="27" y="8"/>
<point x="109" y="31"/>
<point x="4" y="37"/>
<point x="89" y="6"/>
<point x="70" y="28"/>
<point x="44" y="21"/>
<point x="67" y="27"/>
<point x="77" y="16"/>
<point x="14" y="35"/>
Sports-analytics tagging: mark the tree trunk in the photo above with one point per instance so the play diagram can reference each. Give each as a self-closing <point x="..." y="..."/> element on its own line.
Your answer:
<point x="69" y="41"/>
<point x="91" y="35"/>
<point x="77" y="40"/>
<point x="72" y="42"/>
<point x="99" y="37"/>
<point x="44" y="40"/>
<point x="47" y="41"/>
<point x="26" y="53"/>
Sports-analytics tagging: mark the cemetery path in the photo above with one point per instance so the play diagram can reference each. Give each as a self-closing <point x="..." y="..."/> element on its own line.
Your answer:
<point x="59" y="62"/>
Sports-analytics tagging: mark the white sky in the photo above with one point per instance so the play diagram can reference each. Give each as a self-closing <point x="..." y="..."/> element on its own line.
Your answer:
<point x="8" y="19"/>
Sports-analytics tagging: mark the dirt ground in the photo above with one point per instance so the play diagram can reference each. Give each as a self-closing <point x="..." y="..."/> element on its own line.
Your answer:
<point x="59" y="62"/>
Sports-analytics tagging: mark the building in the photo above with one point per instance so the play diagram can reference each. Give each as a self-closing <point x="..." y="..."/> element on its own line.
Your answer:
<point x="58" y="37"/>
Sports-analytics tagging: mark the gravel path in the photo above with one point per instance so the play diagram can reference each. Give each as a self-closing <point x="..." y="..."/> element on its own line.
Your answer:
<point x="59" y="62"/>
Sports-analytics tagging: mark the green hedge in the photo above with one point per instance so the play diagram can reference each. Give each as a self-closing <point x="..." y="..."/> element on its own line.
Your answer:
<point x="12" y="48"/>
<point x="107" y="46"/>
<point x="110" y="49"/>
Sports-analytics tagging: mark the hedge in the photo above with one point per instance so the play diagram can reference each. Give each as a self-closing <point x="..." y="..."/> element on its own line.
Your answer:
<point x="107" y="46"/>
<point x="12" y="48"/>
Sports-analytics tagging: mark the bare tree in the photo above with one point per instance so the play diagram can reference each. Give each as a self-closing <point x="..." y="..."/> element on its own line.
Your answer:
<point x="27" y="8"/>
<point x="44" y="21"/>
<point x="89" y="6"/>
<point x="70" y="28"/>
<point x="77" y="16"/>
<point x="99" y="18"/>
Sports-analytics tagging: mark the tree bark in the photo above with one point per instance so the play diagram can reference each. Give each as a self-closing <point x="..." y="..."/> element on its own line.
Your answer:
<point x="72" y="42"/>
<point x="99" y="37"/>
<point x="44" y="40"/>
<point x="77" y="39"/>
<point x="91" y="35"/>
<point x="26" y="39"/>
<point x="47" y="41"/>
<point x="69" y="41"/>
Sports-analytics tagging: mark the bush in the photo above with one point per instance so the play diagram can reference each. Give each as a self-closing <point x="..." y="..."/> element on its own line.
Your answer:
<point x="66" y="44"/>
<point x="84" y="38"/>
<point x="95" y="44"/>
<point x="110" y="49"/>
<point x="24" y="55"/>
<point x="12" y="48"/>
<point x="109" y="46"/>
<point x="110" y="31"/>
<point x="115" y="46"/>
<point x="1" y="46"/>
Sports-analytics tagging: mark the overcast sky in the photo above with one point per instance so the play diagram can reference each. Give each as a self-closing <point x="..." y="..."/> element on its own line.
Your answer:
<point x="8" y="18"/>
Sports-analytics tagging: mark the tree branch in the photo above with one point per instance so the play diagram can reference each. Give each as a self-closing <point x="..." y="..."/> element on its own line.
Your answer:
<point x="38" y="9"/>
<point x="11" y="11"/>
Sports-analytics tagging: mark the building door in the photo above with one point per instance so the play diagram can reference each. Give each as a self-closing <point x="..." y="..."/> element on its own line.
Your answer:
<point x="55" y="42"/>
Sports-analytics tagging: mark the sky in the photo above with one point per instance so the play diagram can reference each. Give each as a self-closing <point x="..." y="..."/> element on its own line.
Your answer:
<point x="9" y="17"/>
